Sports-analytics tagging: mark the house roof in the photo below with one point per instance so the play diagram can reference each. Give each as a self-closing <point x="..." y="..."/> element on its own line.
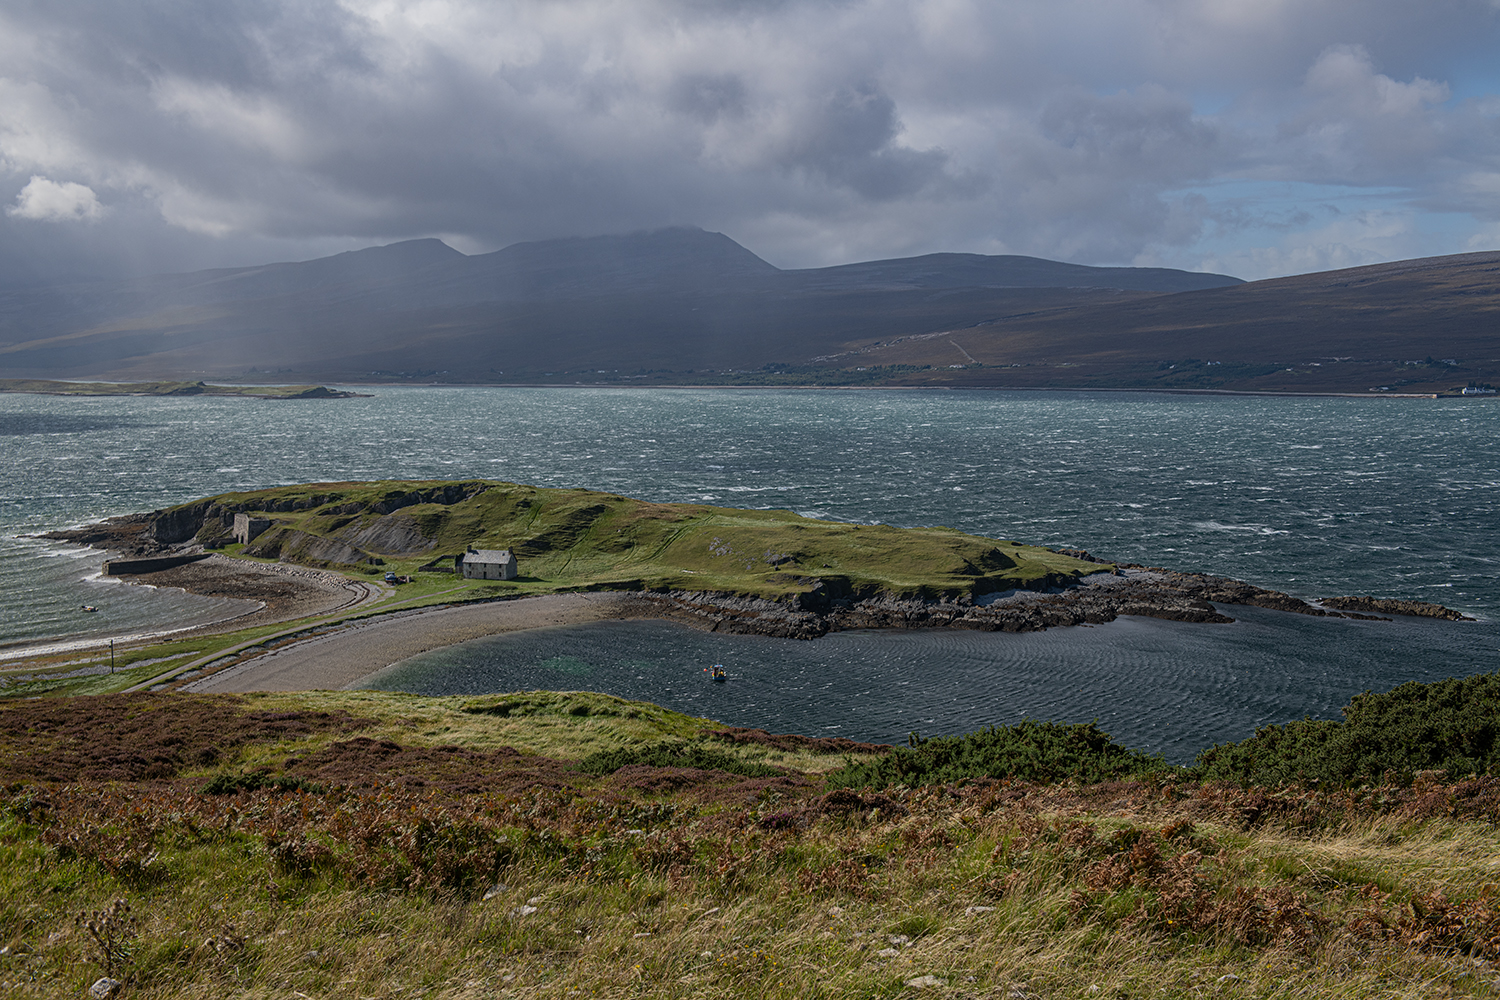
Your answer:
<point x="488" y="556"/>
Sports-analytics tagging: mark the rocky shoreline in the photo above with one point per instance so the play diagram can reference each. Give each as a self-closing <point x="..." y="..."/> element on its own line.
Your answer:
<point x="1122" y="589"/>
<point x="1144" y="591"/>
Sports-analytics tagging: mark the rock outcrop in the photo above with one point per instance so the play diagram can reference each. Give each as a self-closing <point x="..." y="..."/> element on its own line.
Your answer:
<point x="1103" y="597"/>
<point x="1394" y="606"/>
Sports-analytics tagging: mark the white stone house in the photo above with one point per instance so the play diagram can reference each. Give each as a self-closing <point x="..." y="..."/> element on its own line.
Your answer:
<point x="487" y="564"/>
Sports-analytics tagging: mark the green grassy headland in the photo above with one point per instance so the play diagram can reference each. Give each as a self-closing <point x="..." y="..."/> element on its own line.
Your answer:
<point x="582" y="539"/>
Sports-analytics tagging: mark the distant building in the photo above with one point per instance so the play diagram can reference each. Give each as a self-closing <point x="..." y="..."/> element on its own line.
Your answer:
<point x="247" y="527"/>
<point x="487" y="564"/>
<point x="1478" y="390"/>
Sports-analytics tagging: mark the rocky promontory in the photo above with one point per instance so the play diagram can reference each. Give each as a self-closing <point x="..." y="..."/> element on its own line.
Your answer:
<point x="761" y="572"/>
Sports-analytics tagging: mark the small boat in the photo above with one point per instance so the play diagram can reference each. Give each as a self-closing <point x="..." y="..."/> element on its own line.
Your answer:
<point x="90" y="608"/>
<point x="716" y="673"/>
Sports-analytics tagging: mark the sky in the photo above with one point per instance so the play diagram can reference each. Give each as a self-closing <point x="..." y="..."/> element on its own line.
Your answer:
<point x="1252" y="137"/>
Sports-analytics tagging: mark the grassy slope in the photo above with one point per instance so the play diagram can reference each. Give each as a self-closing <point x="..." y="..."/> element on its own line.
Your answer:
<point x="581" y="539"/>
<point x="618" y="887"/>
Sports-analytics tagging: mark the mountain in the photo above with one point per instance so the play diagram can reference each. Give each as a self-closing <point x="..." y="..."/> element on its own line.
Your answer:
<point x="684" y="305"/>
<point x="676" y="299"/>
<point x="1431" y="324"/>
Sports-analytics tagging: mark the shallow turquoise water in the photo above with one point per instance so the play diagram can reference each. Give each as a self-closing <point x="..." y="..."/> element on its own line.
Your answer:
<point x="1313" y="496"/>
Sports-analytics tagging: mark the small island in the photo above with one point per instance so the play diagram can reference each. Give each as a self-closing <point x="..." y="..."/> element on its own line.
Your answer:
<point x="51" y="387"/>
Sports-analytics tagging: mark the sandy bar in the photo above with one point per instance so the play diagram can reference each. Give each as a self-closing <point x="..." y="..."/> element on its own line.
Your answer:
<point x="352" y="652"/>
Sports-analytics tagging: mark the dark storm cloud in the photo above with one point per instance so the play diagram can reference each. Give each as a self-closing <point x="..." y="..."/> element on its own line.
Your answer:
<point x="174" y="134"/>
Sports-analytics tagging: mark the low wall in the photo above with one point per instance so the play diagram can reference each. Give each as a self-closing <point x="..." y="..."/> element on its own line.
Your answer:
<point x="126" y="567"/>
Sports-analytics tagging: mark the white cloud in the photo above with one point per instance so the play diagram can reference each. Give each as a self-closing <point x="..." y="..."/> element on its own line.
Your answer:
<point x="46" y="199"/>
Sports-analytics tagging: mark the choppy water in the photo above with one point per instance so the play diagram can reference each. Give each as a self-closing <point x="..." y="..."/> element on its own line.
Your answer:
<point x="1314" y="496"/>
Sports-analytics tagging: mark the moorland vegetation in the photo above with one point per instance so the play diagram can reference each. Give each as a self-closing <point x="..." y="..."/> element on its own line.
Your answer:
<point x="565" y="844"/>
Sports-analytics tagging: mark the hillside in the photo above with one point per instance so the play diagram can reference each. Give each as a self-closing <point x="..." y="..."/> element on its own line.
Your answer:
<point x="557" y="844"/>
<point x="679" y="299"/>
<point x="582" y="539"/>
<point x="683" y="306"/>
<point x="1413" y="326"/>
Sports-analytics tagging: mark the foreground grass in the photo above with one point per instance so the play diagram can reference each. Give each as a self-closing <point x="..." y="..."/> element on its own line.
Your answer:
<point x="409" y="850"/>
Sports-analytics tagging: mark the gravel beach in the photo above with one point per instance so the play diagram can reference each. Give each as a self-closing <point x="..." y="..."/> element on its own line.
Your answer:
<point x="349" y="653"/>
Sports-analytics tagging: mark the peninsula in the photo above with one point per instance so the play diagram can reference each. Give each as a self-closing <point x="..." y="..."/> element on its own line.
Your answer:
<point x="344" y="556"/>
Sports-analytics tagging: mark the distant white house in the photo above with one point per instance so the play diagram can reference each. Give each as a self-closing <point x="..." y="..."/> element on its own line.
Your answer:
<point x="487" y="564"/>
<point x="1478" y="390"/>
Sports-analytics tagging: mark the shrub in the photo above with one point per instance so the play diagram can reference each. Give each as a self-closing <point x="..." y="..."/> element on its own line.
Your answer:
<point x="1030" y="750"/>
<point x="674" y="753"/>
<point x="1451" y="725"/>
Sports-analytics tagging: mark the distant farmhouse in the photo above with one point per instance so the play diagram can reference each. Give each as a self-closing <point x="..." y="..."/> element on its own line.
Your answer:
<point x="486" y="564"/>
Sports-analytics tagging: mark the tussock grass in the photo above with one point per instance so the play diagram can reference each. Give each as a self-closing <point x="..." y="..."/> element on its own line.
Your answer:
<point x="549" y="882"/>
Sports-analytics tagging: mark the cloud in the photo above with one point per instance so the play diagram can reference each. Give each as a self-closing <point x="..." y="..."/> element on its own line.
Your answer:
<point x="1361" y="126"/>
<point x="46" y="199"/>
<point x="814" y="131"/>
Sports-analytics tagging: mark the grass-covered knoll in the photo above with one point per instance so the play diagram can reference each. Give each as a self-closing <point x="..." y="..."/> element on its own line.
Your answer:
<point x="582" y="539"/>
<point x="369" y="845"/>
<point x="1451" y="726"/>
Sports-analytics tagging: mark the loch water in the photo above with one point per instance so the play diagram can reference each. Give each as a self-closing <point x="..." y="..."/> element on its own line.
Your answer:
<point x="1314" y="496"/>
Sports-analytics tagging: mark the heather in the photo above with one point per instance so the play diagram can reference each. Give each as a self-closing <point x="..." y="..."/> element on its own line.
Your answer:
<point x="367" y="845"/>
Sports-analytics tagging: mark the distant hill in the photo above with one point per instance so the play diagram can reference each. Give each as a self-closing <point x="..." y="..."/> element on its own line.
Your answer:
<point x="972" y="270"/>
<point x="1417" y="326"/>
<point x="684" y="306"/>
<point x="679" y="300"/>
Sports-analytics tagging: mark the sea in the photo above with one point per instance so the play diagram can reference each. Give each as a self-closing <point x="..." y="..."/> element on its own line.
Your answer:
<point x="1316" y="496"/>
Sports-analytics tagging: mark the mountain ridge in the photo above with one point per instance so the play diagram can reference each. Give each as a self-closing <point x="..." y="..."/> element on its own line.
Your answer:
<point x="686" y="306"/>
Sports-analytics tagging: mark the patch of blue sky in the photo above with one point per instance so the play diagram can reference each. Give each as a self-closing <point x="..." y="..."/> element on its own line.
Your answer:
<point x="1266" y="228"/>
<point x="1472" y="76"/>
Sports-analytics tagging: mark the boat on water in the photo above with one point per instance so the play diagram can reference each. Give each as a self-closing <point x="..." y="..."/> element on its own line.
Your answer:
<point x="716" y="673"/>
<point x="89" y="607"/>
